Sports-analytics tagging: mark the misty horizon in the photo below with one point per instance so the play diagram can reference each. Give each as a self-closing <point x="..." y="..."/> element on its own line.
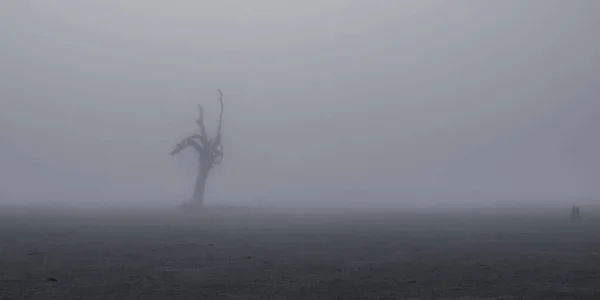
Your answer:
<point x="348" y="101"/>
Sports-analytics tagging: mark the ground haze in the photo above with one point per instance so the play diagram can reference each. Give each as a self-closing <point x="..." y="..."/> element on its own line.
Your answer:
<point x="235" y="253"/>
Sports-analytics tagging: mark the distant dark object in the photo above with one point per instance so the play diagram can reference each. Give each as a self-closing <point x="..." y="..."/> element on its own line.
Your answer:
<point x="210" y="152"/>
<point x="575" y="213"/>
<point x="51" y="279"/>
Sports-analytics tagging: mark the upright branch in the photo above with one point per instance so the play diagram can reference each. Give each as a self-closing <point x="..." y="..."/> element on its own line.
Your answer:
<point x="220" y="128"/>
<point x="203" y="136"/>
<point x="218" y="149"/>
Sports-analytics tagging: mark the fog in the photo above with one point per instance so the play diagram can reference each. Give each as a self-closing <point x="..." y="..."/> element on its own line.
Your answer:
<point x="326" y="102"/>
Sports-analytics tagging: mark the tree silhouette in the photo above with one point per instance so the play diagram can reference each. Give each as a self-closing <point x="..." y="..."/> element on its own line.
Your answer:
<point x="210" y="153"/>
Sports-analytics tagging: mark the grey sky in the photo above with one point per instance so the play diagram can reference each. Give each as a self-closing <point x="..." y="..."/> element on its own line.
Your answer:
<point x="342" y="97"/>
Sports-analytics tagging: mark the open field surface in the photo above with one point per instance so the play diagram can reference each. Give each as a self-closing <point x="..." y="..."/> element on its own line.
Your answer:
<point x="247" y="254"/>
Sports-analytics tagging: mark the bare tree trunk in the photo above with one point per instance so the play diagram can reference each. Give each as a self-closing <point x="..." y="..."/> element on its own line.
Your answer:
<point x="200" y="187"/>
<point x="204" y="167"/>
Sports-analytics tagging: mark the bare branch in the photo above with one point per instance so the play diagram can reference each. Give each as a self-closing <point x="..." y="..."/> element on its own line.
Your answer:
<point x="220" y="129"/>
<point x="187" y="142"/>
<point x="200" y="123"/>
<point x="218" y="146"/>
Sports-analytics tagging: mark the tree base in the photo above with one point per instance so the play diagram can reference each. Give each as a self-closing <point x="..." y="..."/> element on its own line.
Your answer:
<point x="191" y="205"/>
<point x="575" y="213"/>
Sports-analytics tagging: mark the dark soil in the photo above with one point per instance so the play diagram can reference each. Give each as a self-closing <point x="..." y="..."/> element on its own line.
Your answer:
<point x="250" y="255"/>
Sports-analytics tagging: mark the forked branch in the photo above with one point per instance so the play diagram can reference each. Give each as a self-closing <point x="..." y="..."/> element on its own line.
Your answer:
<point x="203" y="136"/>
<point x="187" y="142"/>
<point x="201" y="142"/>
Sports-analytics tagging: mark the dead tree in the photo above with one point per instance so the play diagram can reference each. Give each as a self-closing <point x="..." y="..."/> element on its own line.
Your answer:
<point x="210" y="153"/>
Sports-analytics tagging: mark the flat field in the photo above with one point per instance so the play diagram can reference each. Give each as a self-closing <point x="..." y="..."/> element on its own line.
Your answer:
<point x="250" y="254"/>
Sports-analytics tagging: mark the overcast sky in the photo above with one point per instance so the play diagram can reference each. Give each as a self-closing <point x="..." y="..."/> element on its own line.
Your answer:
<point x="346" y="98"/>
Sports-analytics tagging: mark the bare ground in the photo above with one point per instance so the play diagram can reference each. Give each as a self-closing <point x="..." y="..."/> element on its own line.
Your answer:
<point x="251" y="255"/>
